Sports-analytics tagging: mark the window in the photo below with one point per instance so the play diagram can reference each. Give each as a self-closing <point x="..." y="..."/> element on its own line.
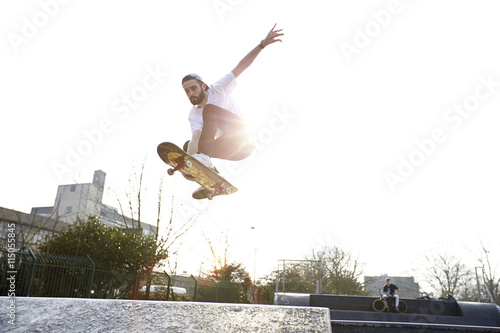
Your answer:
<point x="73" y="188"/>
<point x="69" y="209"/>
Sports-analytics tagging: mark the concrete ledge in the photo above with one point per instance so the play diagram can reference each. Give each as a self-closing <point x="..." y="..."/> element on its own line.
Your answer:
<point x="89" y="315"/>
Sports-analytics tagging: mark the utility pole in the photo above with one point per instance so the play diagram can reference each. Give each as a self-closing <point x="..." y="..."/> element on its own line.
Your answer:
<point x="478" y="286"/>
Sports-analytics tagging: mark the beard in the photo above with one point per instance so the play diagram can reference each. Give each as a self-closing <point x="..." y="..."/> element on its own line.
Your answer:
<point x="195" y="100"/>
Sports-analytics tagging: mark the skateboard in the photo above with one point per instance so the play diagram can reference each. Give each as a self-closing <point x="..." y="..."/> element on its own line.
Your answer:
<point x="211" y="181"/>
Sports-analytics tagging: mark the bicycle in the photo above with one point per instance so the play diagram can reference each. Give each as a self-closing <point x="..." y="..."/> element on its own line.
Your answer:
<point x="388" y="304"/>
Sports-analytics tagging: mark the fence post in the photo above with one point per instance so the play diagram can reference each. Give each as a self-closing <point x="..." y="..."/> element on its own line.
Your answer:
<point x="32" y="273"/>
<point x="284" y="270"/>
<point x="195" y="287"/>
<point x="216" y="291"/>
<point x="320" y="278"/>
<point x="91" y="276"/>
<point x="148" y="286"/>
<point x="278" y="279"/>
<point x="169" y="285"/>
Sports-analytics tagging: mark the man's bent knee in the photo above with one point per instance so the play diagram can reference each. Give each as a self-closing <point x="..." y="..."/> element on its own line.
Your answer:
<point x="243" y="153"/>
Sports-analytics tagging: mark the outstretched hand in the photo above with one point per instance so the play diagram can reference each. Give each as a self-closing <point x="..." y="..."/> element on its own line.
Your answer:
<point x="272" y="37"/>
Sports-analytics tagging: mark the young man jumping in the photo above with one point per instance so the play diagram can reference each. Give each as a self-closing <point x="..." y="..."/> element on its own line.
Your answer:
<point x="218" y="129"/>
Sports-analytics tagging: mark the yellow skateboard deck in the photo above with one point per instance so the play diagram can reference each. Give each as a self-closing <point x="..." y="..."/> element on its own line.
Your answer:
<point x="189" y="166"/>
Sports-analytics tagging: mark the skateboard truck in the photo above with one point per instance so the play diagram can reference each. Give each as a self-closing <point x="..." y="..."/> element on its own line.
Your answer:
<point x="220" y="189"/>
<point x="181" y="163"/>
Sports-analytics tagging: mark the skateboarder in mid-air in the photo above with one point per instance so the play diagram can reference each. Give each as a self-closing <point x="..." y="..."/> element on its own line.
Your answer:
<point x="218" y="129"/>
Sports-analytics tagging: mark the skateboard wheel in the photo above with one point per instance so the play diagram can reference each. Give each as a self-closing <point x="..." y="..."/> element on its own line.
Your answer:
<point x="228" y="191"/>
<point x="209" y="196"/>
<point x="189" y="164"/>
<point x="170" y="172"/>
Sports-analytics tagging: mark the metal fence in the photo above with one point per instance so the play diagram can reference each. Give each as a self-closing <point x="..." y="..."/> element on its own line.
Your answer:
<point x="229" y="292"/>
<point x="39" y="274"/>
<point x="54" y="275"/>
<point x="299" y="276"/>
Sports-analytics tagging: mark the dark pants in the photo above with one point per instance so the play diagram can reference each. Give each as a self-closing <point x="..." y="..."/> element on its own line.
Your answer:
<point x="234" y="144"/>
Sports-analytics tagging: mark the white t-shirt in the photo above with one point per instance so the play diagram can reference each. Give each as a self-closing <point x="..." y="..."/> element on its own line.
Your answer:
<point x="219" y="94"/>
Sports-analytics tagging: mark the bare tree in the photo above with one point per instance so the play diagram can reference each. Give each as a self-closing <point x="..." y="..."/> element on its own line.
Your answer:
<point x="448" y="276"/>
<point x="491" y="289"/>
<point x="219" y="252"/>
<point x="166" y="234"/>
<point x="32" y="231"/>
<point x="134" y="200"/>
<point x="173" y="229"/>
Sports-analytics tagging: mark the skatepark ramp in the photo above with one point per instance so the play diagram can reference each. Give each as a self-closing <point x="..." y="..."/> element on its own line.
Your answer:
<point x="33" y="314"/>
<point x="355" y="314"/>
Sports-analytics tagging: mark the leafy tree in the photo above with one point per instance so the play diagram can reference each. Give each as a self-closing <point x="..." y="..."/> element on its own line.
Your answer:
<point x="233" y="272"/>
<point x="300" y="276"/>
<point x="125" y="252"/>
<point x="338" y="270"/>
<point x="341" y="271"/>
<point x="235" y="279"/>
<point x="233" y="282"/>
<point x="267" y="287"/>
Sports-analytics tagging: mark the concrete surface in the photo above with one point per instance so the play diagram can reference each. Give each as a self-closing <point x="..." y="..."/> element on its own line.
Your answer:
<point x="89" y="315"/>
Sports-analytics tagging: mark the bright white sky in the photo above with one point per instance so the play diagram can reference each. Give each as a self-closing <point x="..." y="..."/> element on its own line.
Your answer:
<point x="335" y="108"/>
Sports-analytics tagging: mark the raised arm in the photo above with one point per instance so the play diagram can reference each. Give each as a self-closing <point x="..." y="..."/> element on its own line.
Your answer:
<point x="271" y="38"/>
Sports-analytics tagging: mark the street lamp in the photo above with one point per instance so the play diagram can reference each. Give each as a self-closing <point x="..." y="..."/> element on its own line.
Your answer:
<point x="255" y="254"/>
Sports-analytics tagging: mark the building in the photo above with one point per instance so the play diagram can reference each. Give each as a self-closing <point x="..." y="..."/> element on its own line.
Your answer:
<point x="408" y="288"/>
<point x="26" y="230"/>
<point x="75" y="201"/>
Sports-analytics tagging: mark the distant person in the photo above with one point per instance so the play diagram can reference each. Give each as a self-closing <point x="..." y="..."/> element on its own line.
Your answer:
<point x="218" y="130"/>
<point x="391" y="291"/>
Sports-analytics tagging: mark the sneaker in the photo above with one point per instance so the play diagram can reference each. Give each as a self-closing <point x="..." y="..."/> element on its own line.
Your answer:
<point x="205" y="159"/>
<point x="201" y="193"/>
